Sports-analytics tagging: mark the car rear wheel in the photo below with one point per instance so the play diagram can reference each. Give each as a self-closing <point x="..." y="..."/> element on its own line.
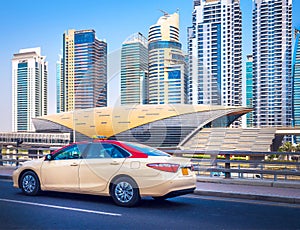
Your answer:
<point x="125" y="192"/>
<point x="30" y="183"/>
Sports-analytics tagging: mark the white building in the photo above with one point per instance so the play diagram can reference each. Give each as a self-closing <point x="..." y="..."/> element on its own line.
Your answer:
<point x="167" y="67"/>
<point x="29" y="88"/>
<point x="215" y="53"/>
<point x="272" y="62"/>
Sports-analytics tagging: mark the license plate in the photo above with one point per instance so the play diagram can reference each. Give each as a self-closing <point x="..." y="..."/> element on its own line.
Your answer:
<point x="184" y="171"/>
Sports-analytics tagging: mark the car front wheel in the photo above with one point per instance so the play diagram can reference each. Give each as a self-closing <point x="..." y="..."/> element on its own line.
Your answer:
<point x="30" y="183"/>
<point x="125" y="192"/>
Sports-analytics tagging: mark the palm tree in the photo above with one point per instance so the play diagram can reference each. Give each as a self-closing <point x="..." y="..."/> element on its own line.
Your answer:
<point x="287" y="147"/>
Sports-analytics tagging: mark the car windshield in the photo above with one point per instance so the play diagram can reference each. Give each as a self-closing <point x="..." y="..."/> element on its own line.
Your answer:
<point x="147" y="150"/>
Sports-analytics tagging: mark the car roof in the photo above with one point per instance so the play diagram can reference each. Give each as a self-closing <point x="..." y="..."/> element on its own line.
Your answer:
<point x="135" y="153"/>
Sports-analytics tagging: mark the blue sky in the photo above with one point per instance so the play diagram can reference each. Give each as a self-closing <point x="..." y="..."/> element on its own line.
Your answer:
<point x="33" y="23"/>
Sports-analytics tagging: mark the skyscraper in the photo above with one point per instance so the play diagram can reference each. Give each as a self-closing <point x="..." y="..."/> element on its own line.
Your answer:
<point x="296" y="81"/>
<point x="134" y="70"/>
<point x="167" y="67"/>
<point x="29" y="88"/>
<point x="58" y="84"/>
<point x="83" y="79"/>
<point x="249" y="89"/>
<point x="272" y="60"/>
<point x="215" y="53"/>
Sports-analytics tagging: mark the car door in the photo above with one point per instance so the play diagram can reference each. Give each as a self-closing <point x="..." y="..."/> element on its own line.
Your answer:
<point x="101" y="162"/>
<point x="61" y="172"/>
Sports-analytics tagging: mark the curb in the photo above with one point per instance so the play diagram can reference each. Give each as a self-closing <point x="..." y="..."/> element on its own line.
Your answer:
<point x="277" y="184"/>
<point x="280" y="199"/>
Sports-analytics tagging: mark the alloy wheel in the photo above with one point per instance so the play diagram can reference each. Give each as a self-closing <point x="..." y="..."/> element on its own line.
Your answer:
<point x="124" y="192"/>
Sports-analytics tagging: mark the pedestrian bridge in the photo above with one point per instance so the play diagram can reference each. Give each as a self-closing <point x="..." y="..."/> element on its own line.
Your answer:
<point x="32" y="139"/>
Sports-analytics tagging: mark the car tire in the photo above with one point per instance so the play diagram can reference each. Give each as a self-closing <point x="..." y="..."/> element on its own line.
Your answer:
<point x="125" y="192"/>
<point x="30" y="183"/>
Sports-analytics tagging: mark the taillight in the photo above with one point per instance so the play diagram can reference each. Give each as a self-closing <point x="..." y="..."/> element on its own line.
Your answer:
<point x="164" y="167"/>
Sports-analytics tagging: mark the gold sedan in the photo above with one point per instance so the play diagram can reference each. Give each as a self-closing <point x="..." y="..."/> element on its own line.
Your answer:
<point x="125" y="171"/>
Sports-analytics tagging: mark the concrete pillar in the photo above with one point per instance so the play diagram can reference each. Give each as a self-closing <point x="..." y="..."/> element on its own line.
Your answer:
<point x="227" y="166"/>
<point x="1" y="162"/>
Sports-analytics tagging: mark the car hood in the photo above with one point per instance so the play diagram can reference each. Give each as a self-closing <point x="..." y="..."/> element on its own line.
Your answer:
<point x="33" y="163"/>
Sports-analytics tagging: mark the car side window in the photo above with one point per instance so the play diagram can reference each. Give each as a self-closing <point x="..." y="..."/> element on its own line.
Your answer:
<point x="71" y="152"/>
<point x="115" y="151"/>
<point x="104" y="150"/>
<point x="96" y="150"/>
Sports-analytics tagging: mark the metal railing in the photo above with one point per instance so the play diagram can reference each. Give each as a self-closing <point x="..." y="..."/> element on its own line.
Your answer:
<point x="17" y="156"/>
<point x="250" y="165"/>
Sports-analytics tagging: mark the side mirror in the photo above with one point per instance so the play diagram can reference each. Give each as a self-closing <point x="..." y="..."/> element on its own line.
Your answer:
<point x="48" y="157"/>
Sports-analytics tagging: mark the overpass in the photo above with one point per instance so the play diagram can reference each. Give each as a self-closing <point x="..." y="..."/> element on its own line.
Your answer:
<point x="226" y="139"/>
<point x="33" y="140"/>
<point x="288" y="131"/>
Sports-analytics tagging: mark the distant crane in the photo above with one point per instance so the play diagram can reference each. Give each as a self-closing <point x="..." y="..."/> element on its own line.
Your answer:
<point x="164" y="12"/>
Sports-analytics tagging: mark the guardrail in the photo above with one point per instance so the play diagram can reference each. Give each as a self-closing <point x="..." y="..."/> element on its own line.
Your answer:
<point x="232" y="164"/>
<point x="15" y="156"/>
<point x="16" y="159"/>
<point x="227" y="164"/>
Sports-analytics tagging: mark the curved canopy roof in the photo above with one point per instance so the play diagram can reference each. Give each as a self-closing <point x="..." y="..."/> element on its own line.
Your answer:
<point x="110" y="121"/>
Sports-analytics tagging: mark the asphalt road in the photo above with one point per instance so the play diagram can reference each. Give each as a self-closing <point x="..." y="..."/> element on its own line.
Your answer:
<point x="52" y="210"/>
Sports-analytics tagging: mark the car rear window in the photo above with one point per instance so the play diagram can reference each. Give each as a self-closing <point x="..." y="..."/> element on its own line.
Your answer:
<point x="147" y="150"/>
<point x="104" y="150"/>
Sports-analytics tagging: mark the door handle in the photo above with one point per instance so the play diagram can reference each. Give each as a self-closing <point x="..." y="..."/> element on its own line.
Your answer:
<point x="74" y="164"/>
<point x="115" y="163"/>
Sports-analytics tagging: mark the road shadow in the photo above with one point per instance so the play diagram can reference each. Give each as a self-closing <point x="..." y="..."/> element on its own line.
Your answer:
<point x="145" y="203"/>
<point x="172" y="203"/>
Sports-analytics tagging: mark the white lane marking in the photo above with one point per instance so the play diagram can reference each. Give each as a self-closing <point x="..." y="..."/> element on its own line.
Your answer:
<point x="61" y="207"/>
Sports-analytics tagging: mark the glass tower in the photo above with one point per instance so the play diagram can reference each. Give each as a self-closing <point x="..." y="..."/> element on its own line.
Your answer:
<point x="296" y="81"/>
<point x="83" y="82"/>
<point x="249" y="89"/>
<point x="134" y="70"/>
<point x="272" y="63"/>
<point x="167" y="67"/>
<point x="215" y="53"/>
<point x="29" y="88"/>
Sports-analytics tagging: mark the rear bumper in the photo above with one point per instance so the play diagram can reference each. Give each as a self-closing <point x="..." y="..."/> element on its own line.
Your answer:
<point x="171" y="187"/>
